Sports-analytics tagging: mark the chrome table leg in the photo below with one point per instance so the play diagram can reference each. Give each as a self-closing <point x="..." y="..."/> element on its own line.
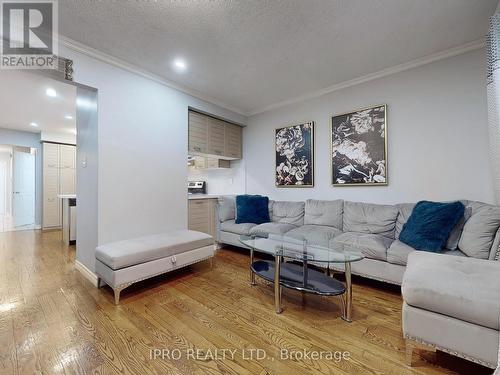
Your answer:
<point x="252" y="274"/>
<point x="277" y="285"/>
<point x="348" y="294"/>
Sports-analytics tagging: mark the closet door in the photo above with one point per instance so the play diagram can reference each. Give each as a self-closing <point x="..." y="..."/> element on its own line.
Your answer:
<point x="51" y="204"/>
<point x="67" y="156"/>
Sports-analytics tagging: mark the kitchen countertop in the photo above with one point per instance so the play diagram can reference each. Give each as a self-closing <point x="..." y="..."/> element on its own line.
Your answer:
<point x="202" y="196"/>
<point x="66" y="196"/>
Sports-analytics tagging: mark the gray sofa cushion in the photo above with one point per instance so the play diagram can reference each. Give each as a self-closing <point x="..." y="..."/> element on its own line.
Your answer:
<point x="227" y="208"/>
<point x="324" y="213"/>
<point x="456" y="233"/>
<point x="399" y="251"/>
<point x="370" y="218"/>
<point x="121" y="254"/>
<point x="271" y="228"/>
<point x="495" y="249"/>
<point x="288" y="212"/>
<point x="464" y="288"/>
<point x="314" y="234"/>
<point x="372" y="246"/>
<point x="480" y="230"/>
<point x="404" y="212"/>
<point x="231" y="227"/>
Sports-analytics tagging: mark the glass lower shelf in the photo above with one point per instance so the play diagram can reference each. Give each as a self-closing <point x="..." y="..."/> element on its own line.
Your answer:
<point x="292" y="276"/>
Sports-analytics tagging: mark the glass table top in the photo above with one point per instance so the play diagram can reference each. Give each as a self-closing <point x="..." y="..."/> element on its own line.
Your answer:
<point x="300" y="250"/>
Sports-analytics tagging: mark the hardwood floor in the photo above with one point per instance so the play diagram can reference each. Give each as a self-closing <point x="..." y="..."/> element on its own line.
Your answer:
<point x="53" y="321"/>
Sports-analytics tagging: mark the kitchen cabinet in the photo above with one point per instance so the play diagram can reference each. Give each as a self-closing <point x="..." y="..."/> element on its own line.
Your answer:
<point x="201" y="162"/>
<point x="233" y="141"/>
<point x="59" y="177"/>
<point x="201" y="215"/>
<point x="198" y="133"/>
<point x="214" y="138"/>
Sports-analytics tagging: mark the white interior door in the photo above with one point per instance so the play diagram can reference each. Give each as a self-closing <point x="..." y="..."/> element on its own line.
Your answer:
<point x="23" y="192"/>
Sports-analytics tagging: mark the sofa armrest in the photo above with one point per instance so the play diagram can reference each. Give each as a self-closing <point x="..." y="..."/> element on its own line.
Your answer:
<point x="226" y="208"/>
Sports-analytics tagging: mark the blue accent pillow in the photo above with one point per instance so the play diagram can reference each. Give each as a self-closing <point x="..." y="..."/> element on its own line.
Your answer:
<point x="430" y="225"/>
<point x="252" y="209"/>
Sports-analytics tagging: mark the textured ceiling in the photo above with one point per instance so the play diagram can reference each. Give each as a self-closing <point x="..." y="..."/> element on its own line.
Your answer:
<point x="252" y="53"/>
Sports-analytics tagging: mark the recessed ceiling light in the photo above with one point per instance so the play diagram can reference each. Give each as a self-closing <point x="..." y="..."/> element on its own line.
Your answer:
<point x="68" y="117"/>
<point x="34" y="124"/>
<point x="179" y="65"/>
<point x="51" y="92"/>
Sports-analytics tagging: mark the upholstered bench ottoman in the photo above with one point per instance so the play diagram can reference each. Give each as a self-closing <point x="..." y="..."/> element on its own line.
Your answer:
<point x="452" y="303"/>
<point x="120" y="264"/>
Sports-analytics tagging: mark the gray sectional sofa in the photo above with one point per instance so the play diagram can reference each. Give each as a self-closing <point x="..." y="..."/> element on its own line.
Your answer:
<point x="372" y="228"/>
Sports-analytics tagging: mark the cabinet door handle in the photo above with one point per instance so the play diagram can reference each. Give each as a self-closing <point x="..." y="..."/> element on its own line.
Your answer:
<point x="197" y="149"/>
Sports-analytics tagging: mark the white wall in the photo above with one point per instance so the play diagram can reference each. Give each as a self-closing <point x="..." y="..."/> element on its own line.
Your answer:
<point x="87" y="170"/>
<point x="142" y="135"/>
<point x="437" y="135"/>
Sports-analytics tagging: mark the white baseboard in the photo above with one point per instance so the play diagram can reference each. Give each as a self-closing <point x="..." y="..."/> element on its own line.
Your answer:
<point x="88" y="274"/>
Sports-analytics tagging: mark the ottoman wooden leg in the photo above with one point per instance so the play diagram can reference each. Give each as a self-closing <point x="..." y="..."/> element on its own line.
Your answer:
<point x="410" y="345"/>
<point x="117" y="296"/>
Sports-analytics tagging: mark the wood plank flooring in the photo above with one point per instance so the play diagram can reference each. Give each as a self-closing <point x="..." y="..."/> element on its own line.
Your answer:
<point x="53" y="321"/>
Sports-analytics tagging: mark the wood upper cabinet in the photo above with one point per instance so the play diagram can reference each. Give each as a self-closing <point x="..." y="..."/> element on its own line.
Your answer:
<point x="198" y="133"/>
<point x="214" y="138"/>
<point x="233" y="141"/>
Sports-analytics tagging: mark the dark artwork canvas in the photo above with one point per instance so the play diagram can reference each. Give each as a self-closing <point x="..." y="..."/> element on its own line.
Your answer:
<point x="359" y="147"/>
<point x="294" y="156"/>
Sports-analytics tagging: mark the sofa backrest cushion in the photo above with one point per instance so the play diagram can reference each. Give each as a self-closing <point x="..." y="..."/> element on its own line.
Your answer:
<point x="370" y="218"/>
<point x="288" y="212"/>
<point x="480" y="230"/>
<point x="327" y="213"/>
<point x="226" y="208"/>
<point x="404" y="212"/>
<point x="456" y="233"/>
<point x="495" y="249"/>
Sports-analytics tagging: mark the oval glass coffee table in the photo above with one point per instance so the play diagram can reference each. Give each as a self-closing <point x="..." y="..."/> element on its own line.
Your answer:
<point x="300" y="277"/>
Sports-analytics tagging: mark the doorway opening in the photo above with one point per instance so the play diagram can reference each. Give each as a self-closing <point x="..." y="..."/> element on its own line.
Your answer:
<point x="38" y="158"/>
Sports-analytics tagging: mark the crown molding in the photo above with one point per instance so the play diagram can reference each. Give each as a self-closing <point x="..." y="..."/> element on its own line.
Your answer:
<point x="471" y="46"/>
<point x="122" y="64"/>
<point x="109" y="59"/>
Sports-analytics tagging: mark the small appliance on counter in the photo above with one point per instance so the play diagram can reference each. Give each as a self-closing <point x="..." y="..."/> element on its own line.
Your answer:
<point x="197" y="187"/>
